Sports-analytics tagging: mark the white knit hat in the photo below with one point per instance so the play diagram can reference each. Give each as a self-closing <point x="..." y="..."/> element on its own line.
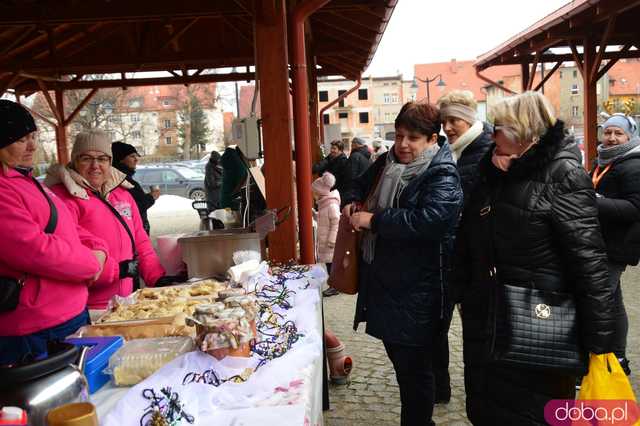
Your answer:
<point x="91" y="140"/>
<point x="323" y="184"/>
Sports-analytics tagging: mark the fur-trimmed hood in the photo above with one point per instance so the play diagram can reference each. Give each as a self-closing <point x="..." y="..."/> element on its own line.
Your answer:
<point x="555" y="143"/>
<point x="78" y="186"/>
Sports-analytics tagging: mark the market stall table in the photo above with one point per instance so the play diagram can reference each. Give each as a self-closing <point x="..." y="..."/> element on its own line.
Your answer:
<point x="286" y="390"/>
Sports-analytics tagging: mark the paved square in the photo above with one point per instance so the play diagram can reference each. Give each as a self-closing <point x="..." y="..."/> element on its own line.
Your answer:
<point x="373" y="396"/>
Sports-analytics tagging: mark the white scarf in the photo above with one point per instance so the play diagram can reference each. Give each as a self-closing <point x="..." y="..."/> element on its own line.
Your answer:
<point x="465" y="140"/>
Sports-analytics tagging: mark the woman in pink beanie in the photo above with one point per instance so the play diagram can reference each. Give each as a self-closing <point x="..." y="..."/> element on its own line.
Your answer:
<point x="328" y="200"/>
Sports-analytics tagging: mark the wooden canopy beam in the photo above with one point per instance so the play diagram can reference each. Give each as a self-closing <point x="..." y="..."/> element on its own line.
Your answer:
<point x="548" y="76"/>
<point x="611" y="63"/>
<point x="47" y="96"/>
<point x="140" y="82"/>
<point x="82" y="104"/>
<point x="176" y="36"/>
<point x="5" y="85"/>
<point x="603" y="46"/>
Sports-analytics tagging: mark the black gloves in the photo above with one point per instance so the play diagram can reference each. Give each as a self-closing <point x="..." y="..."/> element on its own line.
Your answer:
<point x="168" y="280"/>
<point x="129" y="268"/>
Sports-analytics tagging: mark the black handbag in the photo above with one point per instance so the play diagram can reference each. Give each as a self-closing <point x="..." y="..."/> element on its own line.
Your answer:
<point x="534" y="329"/>
<point x="10" y="288"/>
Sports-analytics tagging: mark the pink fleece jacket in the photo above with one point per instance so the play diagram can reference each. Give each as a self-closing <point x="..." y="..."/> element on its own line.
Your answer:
<point x="328" y="219"/>
<point x="96" y="218"/>
<point x="57" y="266"/>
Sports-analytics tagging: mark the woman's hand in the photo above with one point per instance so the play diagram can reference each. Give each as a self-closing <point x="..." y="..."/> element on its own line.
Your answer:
<point x="361" y="220"/>
<point x="100" y="257"/>
<point x="349" y="209"/>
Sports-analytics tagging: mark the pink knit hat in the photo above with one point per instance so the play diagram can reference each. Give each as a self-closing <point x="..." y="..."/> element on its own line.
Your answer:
<point x="323" y="184"/>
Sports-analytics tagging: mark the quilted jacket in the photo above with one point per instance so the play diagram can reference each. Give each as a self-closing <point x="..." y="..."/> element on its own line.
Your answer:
<point x="619" y="209"/>
<point x="546" y="234"/>
<point x="469" y="159"/>
<point x="401" y="291"/>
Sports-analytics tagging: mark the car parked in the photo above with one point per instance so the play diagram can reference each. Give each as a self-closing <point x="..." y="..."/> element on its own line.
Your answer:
<point x="174" y="180"/>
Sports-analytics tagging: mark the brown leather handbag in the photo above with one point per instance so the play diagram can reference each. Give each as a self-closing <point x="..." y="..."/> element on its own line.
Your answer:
<point x="346" y="254"/>
<point x="344" y="266"/>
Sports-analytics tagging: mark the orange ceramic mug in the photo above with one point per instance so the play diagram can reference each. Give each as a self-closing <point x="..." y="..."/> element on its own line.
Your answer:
<point x="75" y="414"/>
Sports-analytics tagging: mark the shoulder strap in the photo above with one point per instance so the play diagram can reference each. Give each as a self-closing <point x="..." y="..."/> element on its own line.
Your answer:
<point x="53" y="215"/>
<point x="120" y="219"/>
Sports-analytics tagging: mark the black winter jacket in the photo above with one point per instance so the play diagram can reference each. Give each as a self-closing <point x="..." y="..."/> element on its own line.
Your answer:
<point x="400" y="293"/>
<point x="359" y="161"/>
<point x="338" y="167"/>
<point x="143" y="200"/>
<point x="546" y="233"/>
<point x="470" y="158"/>
<point x="619" y="209"/>
<point x="213" y="184"/>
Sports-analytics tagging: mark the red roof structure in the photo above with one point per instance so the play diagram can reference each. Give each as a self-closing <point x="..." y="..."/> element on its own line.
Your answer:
<point x="595" y="34"/>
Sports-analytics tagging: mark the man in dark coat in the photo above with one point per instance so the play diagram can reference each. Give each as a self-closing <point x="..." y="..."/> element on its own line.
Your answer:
<point x="335" y="163"/>
<point x="213" y="180"/>
<point x="125" y="159"/>
<point x="359" y="159"/>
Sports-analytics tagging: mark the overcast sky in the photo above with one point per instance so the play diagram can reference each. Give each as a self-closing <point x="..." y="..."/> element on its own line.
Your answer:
<point x="424" y="31"/>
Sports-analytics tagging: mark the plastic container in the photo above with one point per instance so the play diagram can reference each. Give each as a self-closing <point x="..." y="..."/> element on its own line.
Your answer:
<point x="97" y="358"/>
<point x="139" y="359"/>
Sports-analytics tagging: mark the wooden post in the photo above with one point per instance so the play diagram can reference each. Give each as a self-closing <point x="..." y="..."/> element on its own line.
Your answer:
<point x="525" y="76"/>
<point x="590" y="102"/>
<point x="313" y="110"/>
<point x="61" y="129"/>
<point x="272" y="70"/>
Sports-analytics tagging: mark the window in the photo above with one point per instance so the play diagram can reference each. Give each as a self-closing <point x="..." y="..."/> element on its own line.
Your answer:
<point x="561" y="74"/>
<point x="574" y="89"/>
<point x="386" y="98"/>
<point x="167" y="140"/>
<point x="364" y="117"/>
<point x="388" y="117"/>
<point x="325" y="119"/>
<point x="575" y="111"/>
<point x="135" y="103"/>
<point x="323" y="96"/>
<point x="167" y="124"/>
<point x="341" y="103"/>
<point x="151" y="177"/>
<point x="136" y="134"/>
<point x="135" y="118"/>
<point x="169" y="176"/>
<point x="363" y="94"/>
<point x="395" y="98"/>
<point x="343" y="115"/>
<point x="575" y="73"/>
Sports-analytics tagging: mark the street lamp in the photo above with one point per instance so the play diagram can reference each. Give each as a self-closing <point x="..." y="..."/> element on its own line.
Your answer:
<point x="440" y="83"/>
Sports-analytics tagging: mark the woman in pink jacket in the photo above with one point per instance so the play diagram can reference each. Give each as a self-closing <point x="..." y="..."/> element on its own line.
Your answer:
<point x="328" y="218"/>
<point x="42" y="248"/>
<point x="96" y="194"/>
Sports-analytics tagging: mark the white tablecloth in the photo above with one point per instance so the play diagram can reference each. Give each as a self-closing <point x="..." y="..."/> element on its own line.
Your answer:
<point x="294" y="399"/>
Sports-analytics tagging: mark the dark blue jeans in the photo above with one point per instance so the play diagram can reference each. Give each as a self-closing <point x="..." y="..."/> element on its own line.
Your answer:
<point x="14" y="348"/>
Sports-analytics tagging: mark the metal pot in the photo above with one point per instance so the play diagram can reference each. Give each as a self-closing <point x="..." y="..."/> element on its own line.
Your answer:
<point x="42" y="385"/>
<point x="210" y="253"/>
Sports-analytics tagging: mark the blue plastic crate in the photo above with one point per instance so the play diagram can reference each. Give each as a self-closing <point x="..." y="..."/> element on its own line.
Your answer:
<point x="98" y="358"/>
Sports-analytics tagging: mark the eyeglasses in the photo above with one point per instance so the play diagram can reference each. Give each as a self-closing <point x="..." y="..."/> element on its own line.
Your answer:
<point x="88" y="159"/>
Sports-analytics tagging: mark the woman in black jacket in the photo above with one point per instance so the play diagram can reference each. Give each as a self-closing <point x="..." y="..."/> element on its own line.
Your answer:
<point x="412" y="198"/>
<point x="470" y="139"/>
<point x="531" y="221"/>
<point x="616" y="179"/>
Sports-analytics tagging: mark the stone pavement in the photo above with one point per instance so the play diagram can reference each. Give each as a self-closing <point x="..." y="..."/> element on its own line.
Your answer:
<point x="373" y="397"/>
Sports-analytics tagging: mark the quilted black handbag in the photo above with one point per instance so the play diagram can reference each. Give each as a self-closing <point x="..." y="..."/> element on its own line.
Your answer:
<point x="534" y="329"/>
